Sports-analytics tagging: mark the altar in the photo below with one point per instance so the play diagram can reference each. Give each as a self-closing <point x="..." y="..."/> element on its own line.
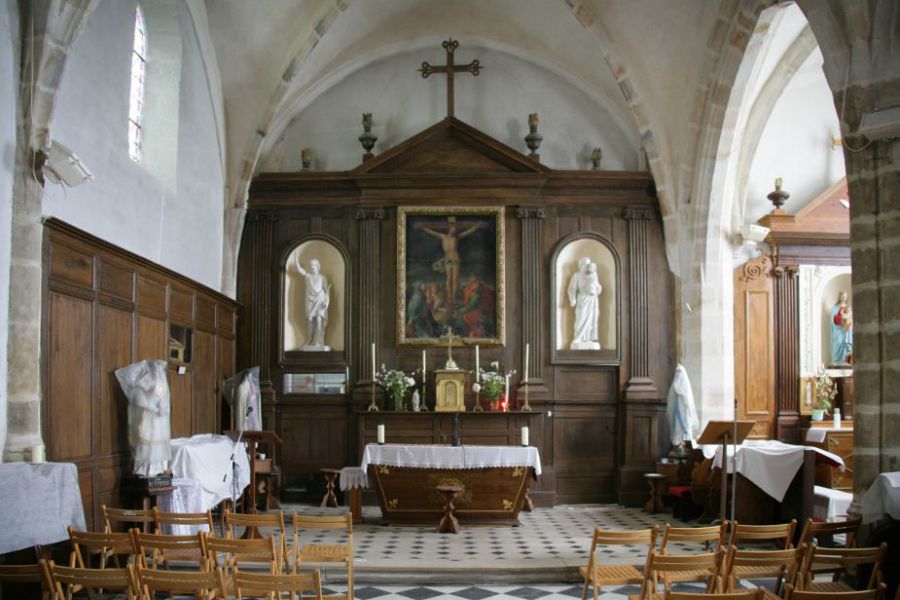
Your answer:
<point x="494" y="481"/>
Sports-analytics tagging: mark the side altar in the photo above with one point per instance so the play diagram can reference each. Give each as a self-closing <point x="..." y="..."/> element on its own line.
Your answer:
<point x="494" y="481"/>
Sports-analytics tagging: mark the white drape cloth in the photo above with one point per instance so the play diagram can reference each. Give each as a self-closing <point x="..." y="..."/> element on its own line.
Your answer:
<point x="206" y="459"/>
<point x="353" y="477"/>
<point x="818" y="434"/>
<point x="451" y="457"/>
<point x="37" y="503"/>
<point x="771" y="465"/>
<point x="882" y="498"/>
<point x="187" y="498"/>
<point x="829" y="504"/>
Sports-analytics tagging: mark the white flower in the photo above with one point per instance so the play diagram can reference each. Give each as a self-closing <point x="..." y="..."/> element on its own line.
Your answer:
<point x="476" y="387"/>
<point x="410" y="381"/>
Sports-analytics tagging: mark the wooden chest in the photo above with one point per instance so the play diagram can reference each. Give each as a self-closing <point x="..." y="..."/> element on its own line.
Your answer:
<point x="840" y="443"/>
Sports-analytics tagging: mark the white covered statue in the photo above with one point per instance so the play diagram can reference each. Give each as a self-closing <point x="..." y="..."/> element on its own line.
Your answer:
<point x="147" y="389"/>
<point x="584" y="291"/>
<point x="681" y="413"/>
<point x="242" y="393"/>
<point x="317" y="298"/>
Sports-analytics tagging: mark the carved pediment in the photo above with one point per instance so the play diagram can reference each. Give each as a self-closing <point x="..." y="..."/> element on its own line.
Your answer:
<point x="451" y="146"/>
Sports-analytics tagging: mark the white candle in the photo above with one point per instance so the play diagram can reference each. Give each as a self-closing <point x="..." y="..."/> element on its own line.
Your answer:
<point x="477" y="366"/>
<point x="507" y="385"/>
<point x="381" y="434"/>
<point x="525" y="436"/>
<point x="527" y="348"/>
<point x="423" y="366"/>
<point x="37" y="453"/>
<point x="373" y="360"/>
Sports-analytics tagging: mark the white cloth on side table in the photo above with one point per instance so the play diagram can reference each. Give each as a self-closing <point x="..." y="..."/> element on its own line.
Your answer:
<point x="353" y="477"/>
<point x="882" y="498"/>
<point x="39" y="501"/>
<point x="451" y="457"/>
<point x="828" y="504"/>
<point x="771" y="465"/>
<point x="206" y="460"/>
<point x="187" y="498"/>
<point x="818" y="434"/>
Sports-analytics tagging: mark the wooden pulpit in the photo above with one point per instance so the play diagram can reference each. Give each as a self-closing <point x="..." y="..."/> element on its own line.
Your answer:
<point x="253" y="439"/>
<point x="725" y="433"/>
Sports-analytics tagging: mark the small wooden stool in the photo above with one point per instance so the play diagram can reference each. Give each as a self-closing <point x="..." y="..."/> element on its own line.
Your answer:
<point x="448" y="523"/>
<point x="655" y="503"/>
<point x="330" y="499"/>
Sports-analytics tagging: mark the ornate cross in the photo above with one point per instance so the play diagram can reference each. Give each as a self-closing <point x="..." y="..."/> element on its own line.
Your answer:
<point x="451" y="364"/>
<point x="450" y="47"/>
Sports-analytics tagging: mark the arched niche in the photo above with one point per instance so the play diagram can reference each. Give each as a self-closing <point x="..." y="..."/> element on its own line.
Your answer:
<point x="564" y="264"/>
<point x="819" y="288"/>
<point x="334" y="266"/>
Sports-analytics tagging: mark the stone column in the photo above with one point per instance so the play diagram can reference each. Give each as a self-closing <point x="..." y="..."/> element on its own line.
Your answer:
<point x="640" y="385"/>
<point x="532" y="274"/>
<point x="369" y="290"/>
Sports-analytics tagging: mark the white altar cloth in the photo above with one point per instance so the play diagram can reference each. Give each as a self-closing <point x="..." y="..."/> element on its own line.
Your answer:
<point x="451" y="457"/>
<point x="771" y="465"/>
<point x="818" y="434"/>
<point x="206" y="460"/>
<point x="882" y="498"/>
<point x="39" y="502"/>
<point x="352" y="478"/>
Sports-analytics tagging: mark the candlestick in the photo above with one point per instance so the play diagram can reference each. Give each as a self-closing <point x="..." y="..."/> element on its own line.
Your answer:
<point x="477" y="366"/>
<point x="372" y="405"/>
<point x="381" y="434"/>
<point x="423" y="366"/>
<point x="525" y="436"/>
<point x="373" y="360"/>
<point x="527" y="348"/>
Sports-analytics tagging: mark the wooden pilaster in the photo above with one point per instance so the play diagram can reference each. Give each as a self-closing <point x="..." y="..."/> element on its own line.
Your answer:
<point x="787" y="354"/>
<point x="369" y="277"/>
<point x="640" y="385"/>
<point x="531" y="218"/>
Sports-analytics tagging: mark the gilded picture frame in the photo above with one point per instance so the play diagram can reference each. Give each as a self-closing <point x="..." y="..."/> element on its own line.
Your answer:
<point x="450" y="274"/>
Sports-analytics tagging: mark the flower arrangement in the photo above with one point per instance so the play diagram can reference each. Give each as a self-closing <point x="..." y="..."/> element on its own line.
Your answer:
<point x="825" y="391"/>
<point x="395" y="382"/>
<point x="493" y="382"/>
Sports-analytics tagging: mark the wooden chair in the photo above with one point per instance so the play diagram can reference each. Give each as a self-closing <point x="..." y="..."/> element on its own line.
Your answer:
<point x="64" y="581"/>
<point x="713" y="535"/>
<point x="756" y="594"/>
<point x="813" y="531"/>
<point x="341" y="553"/>
<point x="273" y="519"/>
<point x="163" y="549"/>
<point x="23" y="575"/>
<point x="597" y="575"/>
<point x="162" y="519"/>
<point x="784" y="564"/>
<point x="846" y="558"/>
<point x="873" y="594"/>
<point x="114" y="517"/>
<point x="228" y="554"/>
<point x="781" y="534"/>
<point x="668" y="567"/>
<point x="274" y="586"/>
<point x="108" y="545"/>
<point x="205" y="585"/>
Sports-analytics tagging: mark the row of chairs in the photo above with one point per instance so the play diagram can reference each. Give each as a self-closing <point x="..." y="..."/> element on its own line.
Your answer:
<point x="138" y="582"/>
<point x="722" y="569"/>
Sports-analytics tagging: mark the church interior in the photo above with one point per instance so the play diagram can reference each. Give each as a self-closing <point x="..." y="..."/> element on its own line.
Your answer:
<point x="468" y="290"/>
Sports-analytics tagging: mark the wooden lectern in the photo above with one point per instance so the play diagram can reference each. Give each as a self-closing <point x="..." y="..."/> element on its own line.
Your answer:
<point x="725" y="432"/>
<point x="253" y="439"/>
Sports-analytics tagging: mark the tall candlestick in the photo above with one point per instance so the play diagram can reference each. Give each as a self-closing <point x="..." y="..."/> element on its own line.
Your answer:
<point x="373" y="360"/>
<point x="527" y="348"/>
<point x="477" y="366"/>
<point x="423" y="366"/>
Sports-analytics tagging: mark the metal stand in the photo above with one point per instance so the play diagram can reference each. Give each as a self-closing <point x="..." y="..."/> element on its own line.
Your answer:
<point x="373" y="406"/>
<point x="477" y="407"/>
<point x="526" y="407"/>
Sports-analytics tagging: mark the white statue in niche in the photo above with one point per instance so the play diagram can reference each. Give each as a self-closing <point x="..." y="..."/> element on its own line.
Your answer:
<point x="584" y="291"/>
<point x="318" y="297"/>
<point x="147" y="390"/>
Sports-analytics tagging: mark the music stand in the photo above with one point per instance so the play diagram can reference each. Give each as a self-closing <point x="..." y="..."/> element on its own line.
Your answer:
<point x="725" y="432"/>
<point x="253" y="438"/>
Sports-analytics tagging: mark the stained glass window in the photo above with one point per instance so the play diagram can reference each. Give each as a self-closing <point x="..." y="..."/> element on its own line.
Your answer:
<point x="138" y="71"/>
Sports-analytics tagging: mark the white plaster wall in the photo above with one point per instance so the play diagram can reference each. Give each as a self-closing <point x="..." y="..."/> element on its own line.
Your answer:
<point x="497" y="102"/>
<point x="9" y="85"/>
<point x="796" y="144"/>
<point x="178" y="226"/>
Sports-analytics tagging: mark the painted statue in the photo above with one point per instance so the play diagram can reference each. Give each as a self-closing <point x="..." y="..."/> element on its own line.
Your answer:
<point x="584" y="291"/>
<point x="317" y="297"/>
<point x="242" y="393"/>
<point x="681" y="412"/>
<point x="147" y="389"/>
<point x="841" y="331"/>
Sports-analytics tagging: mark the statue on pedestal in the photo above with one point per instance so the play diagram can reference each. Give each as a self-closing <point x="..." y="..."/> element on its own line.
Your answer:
<point x="318" y="297"/>
<point x="584" y="291"/>
<point x="147" y="389"/>
<point x="841" y="332"/>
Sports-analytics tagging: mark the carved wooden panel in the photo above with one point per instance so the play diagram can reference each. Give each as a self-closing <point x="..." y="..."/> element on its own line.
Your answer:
<point x="114" y="342"/>
<point x="181" y="304"/>
<point x="754" y="345"/>
<point x="181" y="391"/>
<point x="151" y="339"/>
<point x="116" y="281"/>
<point x="313" y="439"/>
<point x="151" y="293"/>
<point x="72" y="266"/>
<point x="70" y="382"/>
<point x="86" y="485"/>
<point x="206" y="313"/>
<point x="204" y="367"/>
<point x="584" y="454"/>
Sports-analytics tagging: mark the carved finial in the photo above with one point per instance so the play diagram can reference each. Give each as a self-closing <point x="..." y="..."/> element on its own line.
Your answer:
<point x="778" y="196"/>
<point x="596" y="155"/>
<point x="367" y="139"/>
<point x="533" y="139"/>
<point x="306" y="158"/>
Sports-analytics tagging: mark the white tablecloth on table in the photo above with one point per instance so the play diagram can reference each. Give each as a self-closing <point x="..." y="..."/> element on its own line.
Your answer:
<point x="771" y="465"/>
<point x="882" y="498"/>
<point x="352" y="478"/>
<point x="206" y="460"/>
<point x="818" y="434"/>
<point x="451" y="457"/>
<point x="829" y="504"/>
<point x="37" y="503"/>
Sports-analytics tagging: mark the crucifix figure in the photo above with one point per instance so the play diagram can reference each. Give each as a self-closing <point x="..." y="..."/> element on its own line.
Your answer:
<point x="451" y="364"/>
<point x="450" y="68"/>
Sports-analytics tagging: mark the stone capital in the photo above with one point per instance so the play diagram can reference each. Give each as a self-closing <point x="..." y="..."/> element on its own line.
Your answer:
<point x="531" y="212"/>
<point x="364" y="213"/>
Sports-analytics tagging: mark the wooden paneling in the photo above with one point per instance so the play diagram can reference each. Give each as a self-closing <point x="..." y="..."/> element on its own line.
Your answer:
<point x="92" y="330"/>
<point x="181" y="304"/>
<point x="71" y="350"/>
<point x="754" y="345"/>
<point x="115" y="346"/>
<point x="313" y="439"/>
